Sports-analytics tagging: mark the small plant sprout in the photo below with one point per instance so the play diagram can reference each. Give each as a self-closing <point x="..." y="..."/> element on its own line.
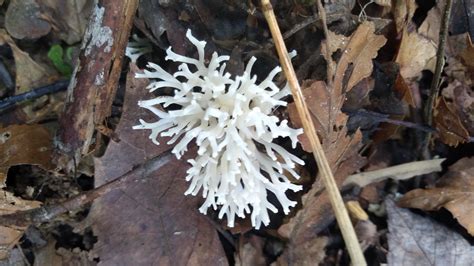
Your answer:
<point x="230" y="119"/>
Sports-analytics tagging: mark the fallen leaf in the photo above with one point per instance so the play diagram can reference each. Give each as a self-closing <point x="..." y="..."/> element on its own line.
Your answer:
<point x="467" y="56"/>
<point x="450" y="128"/>
<point x="342" y="151"/>
<point x="462" y="97"/>
<point x="358" y="54"/>
<point x="430" y="26"/>
<point x="10" y="235"/>
<point x="69" y="18"/>
<point x="455" y="192"/>
<point x="459" y="58"/>
<point x="22" y="20"/>
<point x="50" y="255"/>
<point x="416" y="53"/>
<point x="403" y="12"/>
<point x="311" y="252"/>
<point x="153" y="216"/>
<point x="416" y="240"/>
<point x="20" y="144"/>
<point x="29" y="74"/>
<point x="24" y="144"/>
<point x="250" y="251"/>
<point x="8" y="239"/>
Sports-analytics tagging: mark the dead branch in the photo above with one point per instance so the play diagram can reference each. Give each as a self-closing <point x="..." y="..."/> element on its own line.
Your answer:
<point x="49" y="212"/>
<point x="435" y="82"/>
<point x="95" y="78"/>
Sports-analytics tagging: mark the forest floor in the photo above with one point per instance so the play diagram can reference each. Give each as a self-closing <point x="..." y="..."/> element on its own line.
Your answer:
<point x="388" y="85"/>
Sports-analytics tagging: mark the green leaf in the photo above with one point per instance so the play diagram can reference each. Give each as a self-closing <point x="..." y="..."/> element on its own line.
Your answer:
<point x="56" y="54"/>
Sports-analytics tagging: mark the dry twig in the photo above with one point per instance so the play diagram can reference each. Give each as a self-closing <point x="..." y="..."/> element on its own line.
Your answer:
<point x="337" y="203"/>
<point x="398" y="172"/>
<point x="95" y="78"/>
<point x="434" y="90"/>
<point x="49" y="212"/>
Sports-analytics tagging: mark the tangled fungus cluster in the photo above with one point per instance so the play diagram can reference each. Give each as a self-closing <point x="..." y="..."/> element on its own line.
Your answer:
<point x="228" y="117"/>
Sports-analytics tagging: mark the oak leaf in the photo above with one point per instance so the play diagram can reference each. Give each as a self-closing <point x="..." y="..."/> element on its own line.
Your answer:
<point x="417" y="240"/>
<point x="342" y="151"/>
<point x="455" y="192"/>
<point x="24" y="144"/>
<point x="450" y="127"/>
<point x="416" y="53"/>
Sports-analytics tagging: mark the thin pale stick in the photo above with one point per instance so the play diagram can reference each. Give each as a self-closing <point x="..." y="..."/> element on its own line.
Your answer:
<point x="435" y="82"/>
<point x="337" y="203"/>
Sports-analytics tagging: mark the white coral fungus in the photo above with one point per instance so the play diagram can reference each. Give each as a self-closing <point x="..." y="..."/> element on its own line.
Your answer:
<point x="137" y="47"/>
<point x="228" y="117"/>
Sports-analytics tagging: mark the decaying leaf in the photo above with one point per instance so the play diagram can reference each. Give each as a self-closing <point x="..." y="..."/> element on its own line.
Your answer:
<point x="29" y="74"/>
<point x="51" y="255"/>
<point x="450" y="128"/>
<point x="454" y="192"/>
<point x="32" y="19"/>
<point x="311" y="252"/>
<point x="342" y="151"/>
<point x="250" y="251"/>
<point x="8" y="239"/>
<point x="430" y="26"/>
<point x="467" y="56"/>
<point x="22" y="20"/>
<point x="10" y="235"/>
<point x="24" y="144"/>
<point x="403" y="12"/>
<point x="416" y="240"/>
<point x="462" y="97"/>
<point x="20" y="144"/>
<point x="153" y="216"/>
<point x="69" y="18"/>
<point x="416" y="53"/>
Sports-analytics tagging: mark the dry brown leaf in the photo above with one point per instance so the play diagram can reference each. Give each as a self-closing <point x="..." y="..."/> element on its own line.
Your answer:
<point x="430" y="26"/>
<point x="342" y="151"/>
<point x="311" y="252"/>
<point x="10" y="235"/>
<point x="8" y="239"/>
<point x="416" y="53"/>
<point x="20" y="144"/>
<point x="250" y="251"/>
<point x="51" y="255"/>
<point x="358" y="54"/>
<point x="24" y="144"/>
<point x="22" y="20"/>
<point x="69" y="18"/>
<point x="416" y="240"/>
<point x="467" y="56"/>
<point x="403" y="12"/>
<point x="151" y="222"/>
<point x="32" y="19"/>
<point x="29" y="74"/>
<point x="455" y="192"/>
<point x="462" y="97"/>
<point x="450" y="128"/>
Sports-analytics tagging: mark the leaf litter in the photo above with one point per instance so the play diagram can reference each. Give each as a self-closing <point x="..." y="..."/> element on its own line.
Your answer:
<point x="341" y="149"/>
<point x="382" y="54"/>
